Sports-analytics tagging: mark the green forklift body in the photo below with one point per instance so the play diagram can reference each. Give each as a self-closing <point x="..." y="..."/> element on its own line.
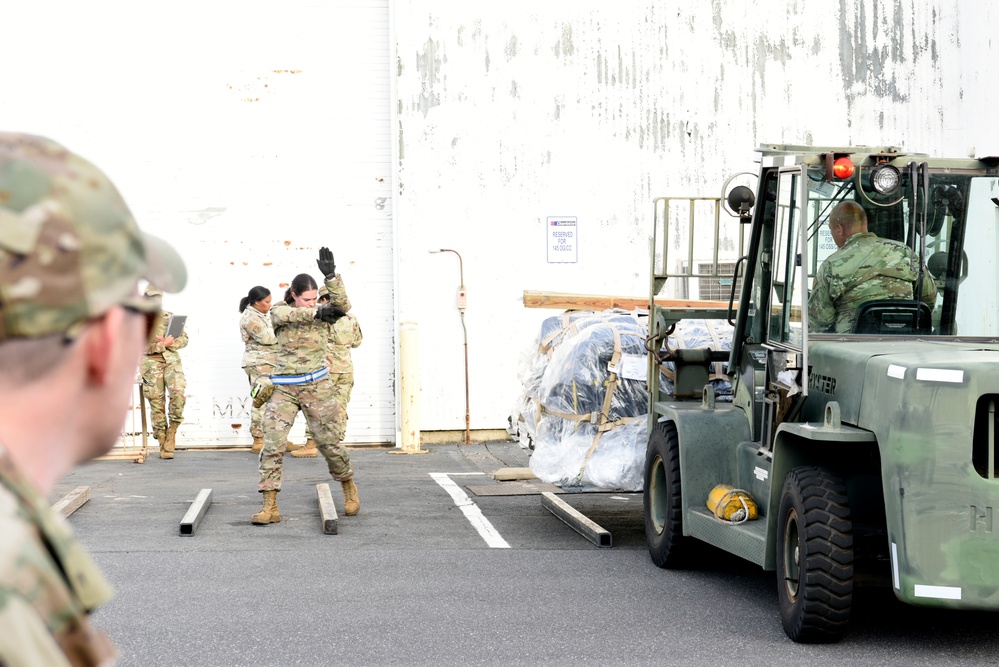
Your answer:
<point x="905" y="413"/>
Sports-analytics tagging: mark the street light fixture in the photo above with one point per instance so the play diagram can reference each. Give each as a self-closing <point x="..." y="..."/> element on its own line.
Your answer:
<point x="461" y="312"/>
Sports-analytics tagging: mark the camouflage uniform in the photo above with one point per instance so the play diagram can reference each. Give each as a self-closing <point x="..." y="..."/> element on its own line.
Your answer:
<point x="301" y="349"/>
<point x="343" y="335"/>
<point x="48" y="583"/>
<point x="162" y="375"/>
<point x="866" y="268"/>
<point x="258" y="358"/>
<point x="70" y="252"/>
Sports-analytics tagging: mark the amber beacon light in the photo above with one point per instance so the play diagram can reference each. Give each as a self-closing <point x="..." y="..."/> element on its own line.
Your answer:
<point x="843" y="168"/>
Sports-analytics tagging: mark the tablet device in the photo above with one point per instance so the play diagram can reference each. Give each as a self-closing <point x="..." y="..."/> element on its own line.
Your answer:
<point x="175" y="327"/>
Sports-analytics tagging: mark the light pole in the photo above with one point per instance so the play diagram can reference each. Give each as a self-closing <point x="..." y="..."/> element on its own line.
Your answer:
<point x="461" y="313"/>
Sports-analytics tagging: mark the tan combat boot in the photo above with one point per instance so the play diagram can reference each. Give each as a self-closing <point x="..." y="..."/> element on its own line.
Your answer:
<point x="290" y="446"/>
<point x="351" y="503"/>
<point x="168" y="442"/>
<point x="258" y="444"/>
<point x="269" y="513"/>
<point x="309" y="451"/>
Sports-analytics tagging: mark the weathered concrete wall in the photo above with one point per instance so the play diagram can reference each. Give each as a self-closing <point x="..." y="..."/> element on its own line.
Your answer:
<point x="249" y="133"/>
<point x="509" y="113"/>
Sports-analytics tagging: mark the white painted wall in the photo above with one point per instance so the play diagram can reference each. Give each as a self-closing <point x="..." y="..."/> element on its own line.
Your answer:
<point x="512" y="112"/>
<point x="249" y="133"/>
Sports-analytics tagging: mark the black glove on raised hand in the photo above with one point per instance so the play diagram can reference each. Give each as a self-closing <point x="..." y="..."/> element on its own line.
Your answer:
<point x="326" y="263"/>
<point x="329" y="313"/>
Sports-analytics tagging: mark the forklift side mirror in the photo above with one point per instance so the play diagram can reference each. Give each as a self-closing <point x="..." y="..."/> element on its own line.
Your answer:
<point x="944" y="200"/>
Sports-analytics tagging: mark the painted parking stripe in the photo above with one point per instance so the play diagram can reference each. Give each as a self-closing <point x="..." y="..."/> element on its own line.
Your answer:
<point x="470" y="509"/>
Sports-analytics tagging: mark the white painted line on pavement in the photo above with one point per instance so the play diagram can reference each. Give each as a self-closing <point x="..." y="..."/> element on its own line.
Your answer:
<point x="470" y="509"/>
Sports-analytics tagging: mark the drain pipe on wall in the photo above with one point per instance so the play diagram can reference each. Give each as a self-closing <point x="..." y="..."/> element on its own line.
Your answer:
<point x="462" y="303"/>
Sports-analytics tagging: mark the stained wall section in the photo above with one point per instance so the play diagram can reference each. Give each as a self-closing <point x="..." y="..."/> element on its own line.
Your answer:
<point x="510" y="113"/>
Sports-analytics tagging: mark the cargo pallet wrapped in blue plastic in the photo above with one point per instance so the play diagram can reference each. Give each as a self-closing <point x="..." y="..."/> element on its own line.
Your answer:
<point x="584" y="406"/>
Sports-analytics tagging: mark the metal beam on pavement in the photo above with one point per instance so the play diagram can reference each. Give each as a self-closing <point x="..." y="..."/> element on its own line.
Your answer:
<point x="196" y="512"/>
<point x="576" y="520"/>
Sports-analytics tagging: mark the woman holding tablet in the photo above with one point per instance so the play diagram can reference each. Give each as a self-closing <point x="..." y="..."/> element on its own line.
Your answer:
<point x="163" y="377"/>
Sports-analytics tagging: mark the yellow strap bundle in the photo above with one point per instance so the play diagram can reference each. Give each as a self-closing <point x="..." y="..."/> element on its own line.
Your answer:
<point x="731" y="504"/>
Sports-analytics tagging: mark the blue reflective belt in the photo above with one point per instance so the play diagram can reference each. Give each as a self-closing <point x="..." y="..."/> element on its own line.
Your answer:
<point x="300" y="379"/>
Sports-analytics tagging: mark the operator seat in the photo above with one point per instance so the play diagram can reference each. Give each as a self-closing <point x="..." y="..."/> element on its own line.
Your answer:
<point x="894" y="317"/>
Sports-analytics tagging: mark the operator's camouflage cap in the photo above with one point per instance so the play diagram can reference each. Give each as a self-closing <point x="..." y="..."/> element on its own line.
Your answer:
<point x="323" y="291"/>
<point x="69" y="247"/>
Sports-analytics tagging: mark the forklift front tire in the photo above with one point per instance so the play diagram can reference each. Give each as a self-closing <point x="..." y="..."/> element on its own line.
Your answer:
<point x="662" y="501"/>
<point x="814" y="556"/>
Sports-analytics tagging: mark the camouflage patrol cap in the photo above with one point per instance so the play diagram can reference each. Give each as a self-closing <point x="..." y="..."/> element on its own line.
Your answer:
<point x="152" y="290"/>
<point x="323" y="291"/>
<point x="69" y="247"/>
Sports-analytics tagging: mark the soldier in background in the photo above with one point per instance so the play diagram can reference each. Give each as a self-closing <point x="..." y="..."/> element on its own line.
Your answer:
<point x="344" y="334"/>
<point x="72" y="330"/>
<point x="863" y="268"/>
<point x="258" y="356"/>
<point x="163" y="376"/>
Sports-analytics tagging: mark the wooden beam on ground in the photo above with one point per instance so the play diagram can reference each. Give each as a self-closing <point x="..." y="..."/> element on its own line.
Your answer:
<point x="72" y="501"/>
<point x="514" y="488"/>
<point x="576" y="520"/>
<point x="327" y="510"/>
<point x="565" y="301"/>
<point x="196" y="513"/>
<point x="121" y="454"/>
<point x="511" y="474"/>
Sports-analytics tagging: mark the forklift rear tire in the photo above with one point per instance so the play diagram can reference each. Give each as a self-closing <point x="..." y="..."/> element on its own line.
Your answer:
<point x="814" y="556"/>
<point x="662" y="501"/>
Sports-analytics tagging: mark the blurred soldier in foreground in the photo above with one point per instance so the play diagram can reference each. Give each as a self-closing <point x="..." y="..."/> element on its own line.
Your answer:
<point x="162" y="377"/>
<point x="72" y="329"/>
<point x="863" y="268"/>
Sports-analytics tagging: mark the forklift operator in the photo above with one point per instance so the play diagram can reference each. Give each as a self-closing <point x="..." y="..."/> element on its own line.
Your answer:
<point x="863" y="268"/>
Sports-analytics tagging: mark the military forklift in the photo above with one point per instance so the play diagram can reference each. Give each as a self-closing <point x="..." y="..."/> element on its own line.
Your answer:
<point x="866" y="457"/>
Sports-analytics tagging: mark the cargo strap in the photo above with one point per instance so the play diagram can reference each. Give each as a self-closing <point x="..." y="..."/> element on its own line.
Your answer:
<point x="600" y="418"/>
<point x="718" y="367"/>
<point x="568" y="326"/>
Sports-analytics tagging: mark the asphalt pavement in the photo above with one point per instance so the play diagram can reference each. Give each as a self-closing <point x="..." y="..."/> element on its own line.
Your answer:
<point x="431" y="572"/>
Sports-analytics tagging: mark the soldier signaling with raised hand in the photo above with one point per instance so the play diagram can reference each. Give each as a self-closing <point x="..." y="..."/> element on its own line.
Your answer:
<point x="301" y="382"/>
<point x="863" y="268"/>
<point x="73" y="327"/>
